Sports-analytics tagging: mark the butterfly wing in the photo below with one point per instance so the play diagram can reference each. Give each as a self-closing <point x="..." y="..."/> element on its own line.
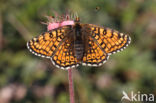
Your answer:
<point x="64" y="57"/>
<point x="94" y="56"/>
<point x="46" y="44"/>
<point x="109" y="40"/>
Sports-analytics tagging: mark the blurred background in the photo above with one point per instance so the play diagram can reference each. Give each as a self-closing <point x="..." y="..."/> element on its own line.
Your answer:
<point x="25" y="78"/>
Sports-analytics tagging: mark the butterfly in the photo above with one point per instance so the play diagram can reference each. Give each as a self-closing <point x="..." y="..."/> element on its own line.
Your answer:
<point x="80" y="44"/>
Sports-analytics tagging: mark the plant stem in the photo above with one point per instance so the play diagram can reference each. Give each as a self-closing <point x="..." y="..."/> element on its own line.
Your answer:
<point x="71" y="86"/>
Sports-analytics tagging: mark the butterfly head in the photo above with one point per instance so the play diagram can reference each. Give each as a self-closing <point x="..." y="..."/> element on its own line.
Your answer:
<point x="77" y="19"/>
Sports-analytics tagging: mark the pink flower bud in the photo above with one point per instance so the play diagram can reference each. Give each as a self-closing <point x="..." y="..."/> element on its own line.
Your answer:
<point x="52" y="26"/>
<point x="68" y="22"/>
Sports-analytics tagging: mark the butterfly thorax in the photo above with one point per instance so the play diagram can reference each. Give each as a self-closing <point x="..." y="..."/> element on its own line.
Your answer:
<point x="78" y="42"/>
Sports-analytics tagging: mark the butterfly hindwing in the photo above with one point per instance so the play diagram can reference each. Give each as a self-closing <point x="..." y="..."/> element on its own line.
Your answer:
<point x="64" y="57"/>
<point x="109" y="40"/>
<point x="93" y="55"/>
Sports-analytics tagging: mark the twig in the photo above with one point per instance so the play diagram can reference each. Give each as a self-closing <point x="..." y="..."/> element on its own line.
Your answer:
<point x="71" y="86"/>
<point x="19" y="27"/>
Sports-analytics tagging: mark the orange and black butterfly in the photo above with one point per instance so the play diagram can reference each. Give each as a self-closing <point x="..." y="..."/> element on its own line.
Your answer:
<point x="72" y="45"/>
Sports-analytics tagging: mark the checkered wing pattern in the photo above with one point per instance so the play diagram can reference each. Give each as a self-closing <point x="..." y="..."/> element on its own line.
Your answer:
<point x="64" y="57"/>
<point x="94" y="55"/>
<point x="58" y="45"/>
<point x="45" y="45"/>
<point x="110" y="41"/>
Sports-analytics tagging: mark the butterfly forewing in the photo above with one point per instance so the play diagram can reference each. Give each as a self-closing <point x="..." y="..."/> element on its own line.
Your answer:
<point x="111" y="41"/>
<point x="46" y="44"/>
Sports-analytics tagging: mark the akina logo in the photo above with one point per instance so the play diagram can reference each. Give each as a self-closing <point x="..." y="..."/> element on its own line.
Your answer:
<point x="137" y="96"/>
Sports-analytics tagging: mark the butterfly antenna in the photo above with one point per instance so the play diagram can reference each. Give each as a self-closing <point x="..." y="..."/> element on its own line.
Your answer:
<point x="72" y="16"/>
<point x="76" y="15"/>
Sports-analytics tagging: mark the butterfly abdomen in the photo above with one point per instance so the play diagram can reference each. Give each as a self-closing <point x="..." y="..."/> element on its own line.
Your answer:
<point x="79" y="50"/>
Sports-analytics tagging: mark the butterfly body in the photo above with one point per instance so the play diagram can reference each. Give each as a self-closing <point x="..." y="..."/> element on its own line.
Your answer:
<point x="72" y="45"/>
<point x="78" y="42"/>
